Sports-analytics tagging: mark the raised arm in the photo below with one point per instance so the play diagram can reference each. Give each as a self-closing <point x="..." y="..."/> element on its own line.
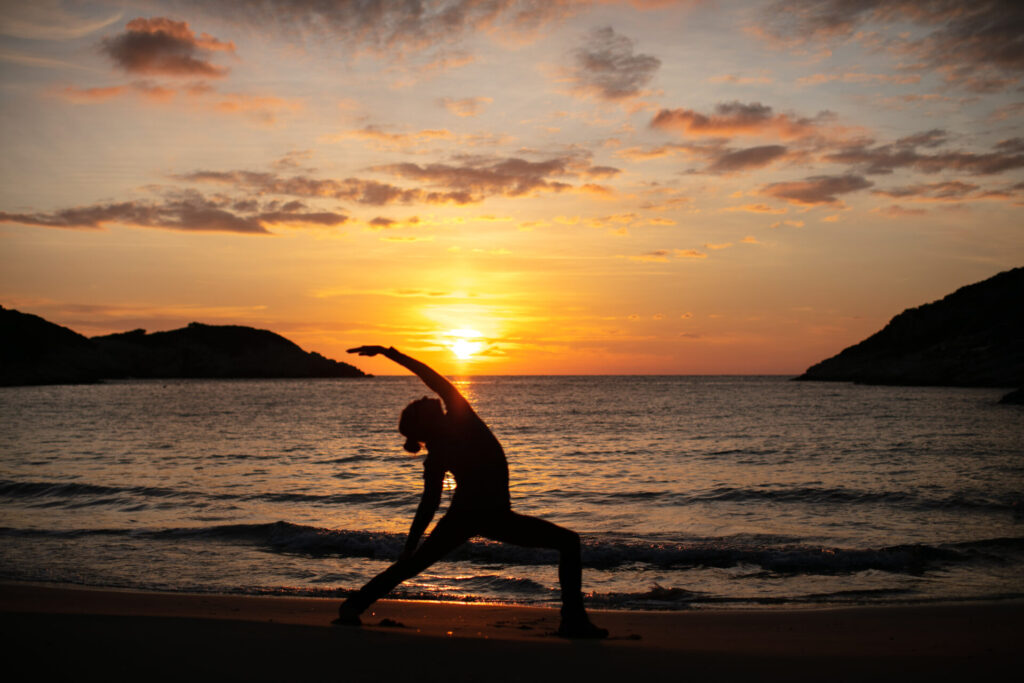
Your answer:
<point x="437" y="382"/>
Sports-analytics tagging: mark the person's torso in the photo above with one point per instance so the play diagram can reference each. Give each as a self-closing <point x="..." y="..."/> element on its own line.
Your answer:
<point x="476" y="460"/>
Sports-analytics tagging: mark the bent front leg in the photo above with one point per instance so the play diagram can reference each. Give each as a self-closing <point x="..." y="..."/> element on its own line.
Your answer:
<point x="445" y="537"/>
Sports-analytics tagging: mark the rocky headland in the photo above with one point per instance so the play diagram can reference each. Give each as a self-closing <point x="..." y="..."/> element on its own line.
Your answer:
<point x="973" y="337"/>
<point x="36" y="351"/>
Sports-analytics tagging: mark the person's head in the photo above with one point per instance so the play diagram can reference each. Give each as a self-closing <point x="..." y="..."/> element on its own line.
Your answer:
<point x="419" y="422"/>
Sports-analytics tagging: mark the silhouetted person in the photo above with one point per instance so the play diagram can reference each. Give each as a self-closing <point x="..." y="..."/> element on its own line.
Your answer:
<point x="459" y="442"/>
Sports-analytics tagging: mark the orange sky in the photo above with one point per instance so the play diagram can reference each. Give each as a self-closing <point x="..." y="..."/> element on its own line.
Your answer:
<point x="549" y="187"/>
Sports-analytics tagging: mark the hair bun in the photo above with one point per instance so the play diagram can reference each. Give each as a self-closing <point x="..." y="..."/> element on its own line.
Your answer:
<point x="411" y="445"/>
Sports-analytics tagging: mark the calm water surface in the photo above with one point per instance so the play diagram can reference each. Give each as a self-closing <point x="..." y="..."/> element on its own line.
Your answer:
<point x="689" y="491"/>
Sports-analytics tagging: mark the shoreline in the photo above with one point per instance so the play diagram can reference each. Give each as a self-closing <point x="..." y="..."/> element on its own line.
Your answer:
<point x="121" y="634"/>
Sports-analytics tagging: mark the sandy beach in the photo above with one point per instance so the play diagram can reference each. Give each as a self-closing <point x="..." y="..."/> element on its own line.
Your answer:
<point x="121" y="635"/>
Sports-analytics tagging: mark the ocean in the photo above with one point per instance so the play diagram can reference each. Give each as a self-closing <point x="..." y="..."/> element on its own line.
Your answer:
<point x="689" y="492"/>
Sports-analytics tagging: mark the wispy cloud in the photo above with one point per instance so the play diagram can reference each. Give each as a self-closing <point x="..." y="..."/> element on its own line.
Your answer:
<point x="1005" y="156"/>
<point x="396" y="29"/>
<point x="974" y="45"/>
<point x="359" y="190"/>
<point x="466" y="106"/>
<point x="666" y="255"/>
<point x="48" y="20"/>
<point x="259" y="109"/>
<point x="393" y="141"/>
<point x="184" y="211"/>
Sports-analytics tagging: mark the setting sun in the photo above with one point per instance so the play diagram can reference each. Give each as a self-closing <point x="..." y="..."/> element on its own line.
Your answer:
<point x="465" y="343"/>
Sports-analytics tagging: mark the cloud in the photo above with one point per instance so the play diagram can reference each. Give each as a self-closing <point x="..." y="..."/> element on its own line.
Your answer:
<point x="741" y="80"/>
<point x="975" y="45"/>
<point x="47" y="20"/>
<point x="395" y="29"/>
<point x="369" y="192"/>
<point x="261" y="109"/>
<point x="1007" y="112"/>
<point x="897" y="211"/>
<point x="293" y="159"/>
<point x="747" y="159"/>
<point x="478" y="177"/>
<point x="816" y="190"/>
<point x="690" y="150"/>
<point x="665" y="255"/>
<point x="384" y="140"/>
<point x="383" y="223"/>
<point x="954" y="190"/>
<point x="89" y="95"/>
<point x="467" y="106"/>
<point x="757" y="208"/>
<point x="736" y="118"/>
<point x="882" y="159"/>
<point x="656" y="256"/>
<point x="607" y="68"/>
<point x="166" y="47"/>
<point x="858" y="77"/>
<point x="185" y="211"/>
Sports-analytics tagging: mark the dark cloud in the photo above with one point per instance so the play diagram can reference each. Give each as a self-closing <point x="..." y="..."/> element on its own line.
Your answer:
<point x="606" y="67"/>
<point x="398" y="27"/>
<point x="978" y="44"/>
<point x="737" y="118"/>
<point x="381" y="222"/>
<point x="817" y="189"/>
<point x="164" y="46"/>
<point x="478" y="177"/>
<point x="747" y="159"/>
<point x="930" y="138"/>
<point x="882" y="159"/>
<point x="185" y="211"/>
<point x="362" y="191"/>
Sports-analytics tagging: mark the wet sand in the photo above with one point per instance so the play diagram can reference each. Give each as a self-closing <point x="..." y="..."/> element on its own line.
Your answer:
<point x="92" y="634"/>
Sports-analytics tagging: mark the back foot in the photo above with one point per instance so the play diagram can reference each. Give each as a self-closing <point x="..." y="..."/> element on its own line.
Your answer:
<point x="580" y="628"/>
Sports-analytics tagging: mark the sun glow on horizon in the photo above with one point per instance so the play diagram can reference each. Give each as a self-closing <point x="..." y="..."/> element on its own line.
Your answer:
<point x="465" y="343"/>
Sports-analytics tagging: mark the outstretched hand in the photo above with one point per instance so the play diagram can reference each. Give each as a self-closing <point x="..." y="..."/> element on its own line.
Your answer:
<point x="368" y="350"/>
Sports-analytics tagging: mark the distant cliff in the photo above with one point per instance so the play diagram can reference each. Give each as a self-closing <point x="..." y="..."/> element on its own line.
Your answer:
<point x="35" y="351"/>
<point x="973" y="338"/>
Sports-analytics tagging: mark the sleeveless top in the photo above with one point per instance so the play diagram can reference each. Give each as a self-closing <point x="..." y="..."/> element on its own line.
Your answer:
<point x="470" y="451"/>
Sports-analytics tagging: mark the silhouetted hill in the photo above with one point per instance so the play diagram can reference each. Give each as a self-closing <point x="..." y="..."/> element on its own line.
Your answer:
<point x="974" y="338"/>
<point x="35" y="351"/>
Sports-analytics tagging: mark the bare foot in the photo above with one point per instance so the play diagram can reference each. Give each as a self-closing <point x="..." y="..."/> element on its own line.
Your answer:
<point x="576" y="628"/>
<point x="347" y="617"/>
